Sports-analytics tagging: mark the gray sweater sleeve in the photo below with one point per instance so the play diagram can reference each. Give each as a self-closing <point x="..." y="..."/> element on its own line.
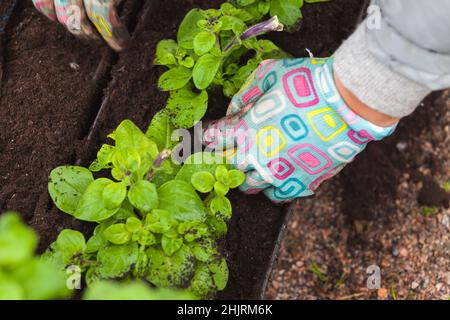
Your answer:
<point x="399" y="54"/>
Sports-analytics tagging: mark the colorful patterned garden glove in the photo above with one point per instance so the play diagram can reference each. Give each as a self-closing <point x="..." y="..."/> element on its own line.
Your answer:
<point x="83" y="17"/>
<point x="289" y="129"/>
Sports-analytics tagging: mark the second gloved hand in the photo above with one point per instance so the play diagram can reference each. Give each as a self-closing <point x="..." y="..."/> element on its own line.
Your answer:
<point x="289" y="129"/>
<point x="87" y="19"/>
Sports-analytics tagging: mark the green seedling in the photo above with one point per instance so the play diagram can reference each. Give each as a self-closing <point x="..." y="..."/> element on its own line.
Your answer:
<point x="207" y="54"/>
<point x="152" y="223"/>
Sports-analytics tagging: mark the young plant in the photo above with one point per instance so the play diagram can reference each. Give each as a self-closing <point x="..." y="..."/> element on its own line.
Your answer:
<point x="208" y="52"/>
<point x="24" y="276"/>
<point x="152" y="223"/>
<point x="288" y="11"/>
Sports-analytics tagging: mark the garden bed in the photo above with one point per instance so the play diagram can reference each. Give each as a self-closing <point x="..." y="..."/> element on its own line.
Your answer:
<point x="57" y="114"/>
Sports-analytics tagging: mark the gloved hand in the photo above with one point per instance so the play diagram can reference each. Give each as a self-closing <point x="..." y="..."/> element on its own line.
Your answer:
<point x="289" y="129"/>
<point x="83" y="17"/>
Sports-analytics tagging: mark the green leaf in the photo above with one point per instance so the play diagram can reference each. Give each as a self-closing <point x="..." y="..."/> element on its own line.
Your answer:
<point x="222" y="175"/>
<point x="140" y="268"/>
<point x="203" y="42"/>
<point x="143" y="196"/>
<point x="198" y="162"/>
<point x="202" y="284"/>
<point x="232" y="23"/>
<point x="114" y="194"/>
<point x="127" y="160"/>
<point x="104" y="159"/>
<point x="108" y="290"/>
<point x="165" y="52"/>
<point x="69" y="244"/>
<point x="144" y="237"/>
<point x="205" y="70"/>
<point x="221" y="189"/>
<point x="98" y="240"/>
<point x="126" y="211"/>
<point x="203" y="181"/>
<point x="288" y="11"/>
<point x="187" y="62"/>
<point x="220" y="273"/>
<point x="171" y="245"/>
<point x="160" y="130"/>
<point x="170" y="271"/>
<point x="133" y="224"/>
<point x="166" y="172"/>
<point x="204" y="249"/>
<point x="41" y="280"/>
<point x="17" y="241"/>
<point x="229" y="90"/>
<point x="128" y="135"/>
<point x="175" y="78"/>
<point x="236" y="178"/>
<point x="217" y="227"/>
<point x="91" y="206"/>
<point x="116" y="261"/>
<point x="192" y="230"/>
<point x="181" y="201"/>
<point x="66" y="186"/>
<point x="189" y="29"/>
<point x="92" y="277"/>
<point x="10" y="289"/>
<point x="158" y="221"/>
<point x="186" y="108"/>
<point x="263" y="7"/>
<point x="117" y="234"/>
<point x="244" y="3"/>
<point x="221" y="207"/>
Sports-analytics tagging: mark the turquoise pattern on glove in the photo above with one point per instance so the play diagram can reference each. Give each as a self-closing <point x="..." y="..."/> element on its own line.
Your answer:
<point x="289" y="129"/>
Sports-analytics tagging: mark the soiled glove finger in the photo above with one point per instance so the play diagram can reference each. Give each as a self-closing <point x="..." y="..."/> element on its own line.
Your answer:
<point x="290" y="130"/>
<point x="87" y="19"/>
<point x="104" y="17"/>
<point x="72" y="15"/>
<point x="47" y="8"/>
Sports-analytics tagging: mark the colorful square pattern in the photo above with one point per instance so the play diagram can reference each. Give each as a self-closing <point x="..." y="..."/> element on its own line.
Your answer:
<point x="325" y="81"/>
<point x="299" y="88"/>
<point x="267" y="107"/>
<point x="270" y="81"/>
<point x="361" y="137"/>
<point x="344" y="151"/>
<point x="292" y="188"/>
<point x="242" y="137"/>
<point x="326" y="123"/>
<point x="281" y="168"/>
<point x="309" y="158"/>
<point x="270" y="141"/>
<point x="294" y="126"/>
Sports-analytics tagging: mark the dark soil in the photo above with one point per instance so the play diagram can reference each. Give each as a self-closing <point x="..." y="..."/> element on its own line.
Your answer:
<point x="44" y="107"/>
<point x="370" y="182"/>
